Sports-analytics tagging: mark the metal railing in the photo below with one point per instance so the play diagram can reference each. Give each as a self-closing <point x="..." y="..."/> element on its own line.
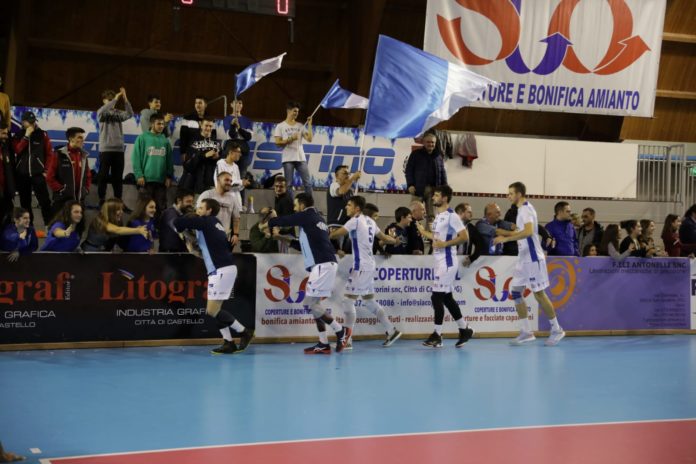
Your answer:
<point x="664" y="175"/>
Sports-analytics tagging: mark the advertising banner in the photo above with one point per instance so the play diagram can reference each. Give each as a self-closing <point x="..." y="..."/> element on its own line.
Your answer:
<point x="61" y="297"/>
<point x="589" y="294"/>
<point x="590" y="56"/>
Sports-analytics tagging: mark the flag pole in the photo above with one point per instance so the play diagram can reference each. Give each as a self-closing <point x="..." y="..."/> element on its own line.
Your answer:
<point x="361" y="162"/>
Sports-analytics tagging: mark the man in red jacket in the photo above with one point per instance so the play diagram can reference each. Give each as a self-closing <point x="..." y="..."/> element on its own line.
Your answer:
<point x="7" y="183"/>
<point x="68" y="172"/>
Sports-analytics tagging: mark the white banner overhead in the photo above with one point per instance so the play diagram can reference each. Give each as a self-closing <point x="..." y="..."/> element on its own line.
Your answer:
<point x="589" y="56"/>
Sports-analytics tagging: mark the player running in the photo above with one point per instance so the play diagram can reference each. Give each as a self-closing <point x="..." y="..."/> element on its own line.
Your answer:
<point x="320" y="261"/>
<point x="362" y="231"/>
<point x="212" y="246"/>
<point x="448" y="231"/>
<point x="530" y="270"/>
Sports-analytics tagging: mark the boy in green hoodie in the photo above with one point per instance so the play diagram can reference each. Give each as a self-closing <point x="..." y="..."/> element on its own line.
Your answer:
<point x="153" y="165"/>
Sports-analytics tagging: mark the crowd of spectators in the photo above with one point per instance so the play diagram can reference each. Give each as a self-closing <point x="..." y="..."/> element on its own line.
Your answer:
<point x="60" y="178"/>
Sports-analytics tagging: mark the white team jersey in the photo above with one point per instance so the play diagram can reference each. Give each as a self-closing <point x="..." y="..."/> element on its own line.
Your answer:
<point x="445" y="227"/>
<point x="529" y="249"/>
<point x="362" y="231"/>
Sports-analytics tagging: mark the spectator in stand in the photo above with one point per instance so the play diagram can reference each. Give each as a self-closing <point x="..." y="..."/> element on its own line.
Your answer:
<point x="290" y="134"/>
<point x="283" y="200"/>
<point x="590" y="250"/>
<point x="230" y="163"/>
<point x="415" y="239"/>
<point x="106" y="228"/>
<point x="633" y="230"/>
<point x="647" y="237"/>
<point x="229" y="207"/>
<point x="687" y="230"/>
<point x="610" y="244"/>
<point x="65" y="232"/>
<point x="153" y="165"/>
<point x="68" y="172"/>
<point x="670" y="237"/>
<point x="563" y="232"/>
<point x="7" y="176"/>
<point x="267" y="241"/>
<point x="169" y="239"/>
<point x="425" y="169"/>
<point x="191" y="125"/>
<point x="489" y="227"/>
<point x="547" y="240"/>
<point x="576" y="220"/>
<point x="203" y="155"/>
<point x="510" y="248"/>
<point x="240" y="132"/>
<point x="399" y="230"/>
<point x="33" y="150"/>
<point x="144" y="215"/>
<point x="337" y="196"/>
<point x="19" y="237"/>
<point x="154" y="105"/>
<point x="111" y="143"/>
<point x="590" y="231"/>
<point x="474" y="247"/>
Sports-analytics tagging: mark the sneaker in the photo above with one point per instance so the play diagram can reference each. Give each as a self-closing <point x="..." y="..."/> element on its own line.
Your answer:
<point x="391" y="338"/>
<point x="245" y="339"/>
<point x="434" y="340"/>
<point x="319" y="348"/>
<point x="464" y="336"/>
<point x="349" y="344"/>
<point x="342" y="337"/>
<point x="522" y="338"/>
<point x="226" y="348"/>
<point x="555" y="337"/>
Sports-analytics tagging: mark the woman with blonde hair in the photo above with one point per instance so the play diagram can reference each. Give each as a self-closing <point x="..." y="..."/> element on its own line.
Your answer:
<point x="107" y="227"/>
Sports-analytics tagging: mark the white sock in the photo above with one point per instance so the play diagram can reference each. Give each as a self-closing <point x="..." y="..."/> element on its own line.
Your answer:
<point x="226" y="334"/>
<point x="350" y="313"/>
<point x="237" y="327"/>
<point x="378" y="311"/>
<point x="323" y="338"/>
<point x="525" y="326"/>
<point x="438" y="329"/>
<point x="554" y="325"/>
<point x="461" y="323"/>
<point x="335" y="326"/>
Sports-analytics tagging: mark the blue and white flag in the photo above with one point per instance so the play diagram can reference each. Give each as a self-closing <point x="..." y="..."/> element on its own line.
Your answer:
<point x="413" y="90"/>
<point x="338" y="97"/>
<point x="253" y="73"/>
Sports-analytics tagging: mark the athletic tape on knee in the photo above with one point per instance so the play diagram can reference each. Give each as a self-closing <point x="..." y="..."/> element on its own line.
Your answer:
<point x="314" y="305"/>
<point x="517" y="294"/>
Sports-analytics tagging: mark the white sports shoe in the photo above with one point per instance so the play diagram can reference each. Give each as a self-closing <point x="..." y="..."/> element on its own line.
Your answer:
<point x="554" y="338"/>
<point x="522" y="338"/>
<point x="349" y="344"/>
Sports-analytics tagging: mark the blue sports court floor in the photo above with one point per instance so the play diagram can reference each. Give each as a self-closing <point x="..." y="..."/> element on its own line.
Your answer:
<point x="71" y="403"/>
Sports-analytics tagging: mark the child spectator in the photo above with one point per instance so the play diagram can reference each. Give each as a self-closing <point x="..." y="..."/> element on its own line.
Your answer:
<point x="143" y="216"/>
<point x="19" y="237"/>
<point x="65" y="232"/>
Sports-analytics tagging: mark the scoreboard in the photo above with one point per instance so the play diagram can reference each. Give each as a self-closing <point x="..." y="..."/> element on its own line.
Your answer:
<point x="284" y="8"/>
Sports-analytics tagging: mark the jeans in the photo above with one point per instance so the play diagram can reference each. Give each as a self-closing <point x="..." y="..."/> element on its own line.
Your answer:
<point x="301" y="167"/>
<point x="110" y="169"/>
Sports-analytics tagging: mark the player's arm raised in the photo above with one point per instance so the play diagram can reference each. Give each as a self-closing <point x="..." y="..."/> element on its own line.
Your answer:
<point x="528" y="231"/>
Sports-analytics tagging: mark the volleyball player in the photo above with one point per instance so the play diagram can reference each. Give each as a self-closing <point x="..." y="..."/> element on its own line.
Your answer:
<point x="320" y="261"/>
<point x="448" y="232"/>
<point x="211" y="245"/>
<point x="362" y="231"/>
<point x="530" y="270"/>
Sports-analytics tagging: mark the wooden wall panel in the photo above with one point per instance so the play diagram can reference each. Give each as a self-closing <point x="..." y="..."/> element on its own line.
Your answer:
<point x="77" y="48"/>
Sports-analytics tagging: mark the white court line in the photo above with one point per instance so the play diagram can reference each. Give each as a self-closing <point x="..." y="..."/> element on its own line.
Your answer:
<point x="361" y="437"/>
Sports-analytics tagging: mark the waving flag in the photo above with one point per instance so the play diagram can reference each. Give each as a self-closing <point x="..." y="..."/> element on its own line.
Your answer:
<point x="338" y="97"/>
<point x="252" y="74"/>
<point x="413" y="90"/>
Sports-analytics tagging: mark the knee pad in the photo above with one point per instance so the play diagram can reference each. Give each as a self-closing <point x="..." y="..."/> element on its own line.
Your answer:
<point x="517" y="295"/>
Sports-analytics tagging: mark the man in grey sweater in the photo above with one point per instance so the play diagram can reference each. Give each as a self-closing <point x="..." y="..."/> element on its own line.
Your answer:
<point x="154" y="105"/>
<point x="111" y="144"/>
